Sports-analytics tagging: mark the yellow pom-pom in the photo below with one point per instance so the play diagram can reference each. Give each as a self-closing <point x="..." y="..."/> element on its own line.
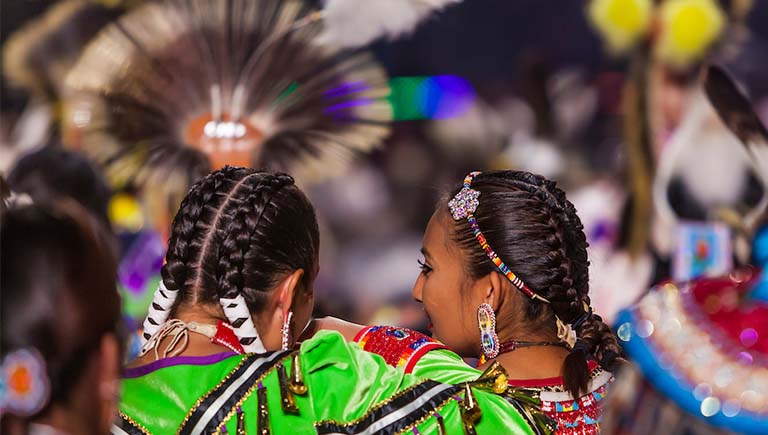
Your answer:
<point x="500" y="385"/>
<point x="125" y="212"/>
<point x="688" y="29"/>
<point x="621" y="23"/>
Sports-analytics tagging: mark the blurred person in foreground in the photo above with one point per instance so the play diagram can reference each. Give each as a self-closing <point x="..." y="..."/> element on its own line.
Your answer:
<point x="61" y="342"/>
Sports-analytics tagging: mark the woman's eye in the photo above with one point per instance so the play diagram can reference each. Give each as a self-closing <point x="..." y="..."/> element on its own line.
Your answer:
<point x="425" y="268"/>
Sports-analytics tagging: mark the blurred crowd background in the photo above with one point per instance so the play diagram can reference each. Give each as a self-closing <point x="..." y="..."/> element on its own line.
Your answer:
<point x="548" y="86"/>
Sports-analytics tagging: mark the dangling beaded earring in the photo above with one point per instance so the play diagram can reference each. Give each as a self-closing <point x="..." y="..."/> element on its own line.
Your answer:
<point x="489" y="340"/>
<point x="286" y="330"/>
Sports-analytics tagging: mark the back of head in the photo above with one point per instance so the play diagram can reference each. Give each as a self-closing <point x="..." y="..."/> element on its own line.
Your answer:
<point x="535" y="230"/>
<point x="52" y="173"/>
<point x="238" y="232"/>
<point x="58" y="301"/>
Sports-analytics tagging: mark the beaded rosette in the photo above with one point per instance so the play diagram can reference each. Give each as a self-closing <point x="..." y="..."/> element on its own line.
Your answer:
<point x="24" y="384"/>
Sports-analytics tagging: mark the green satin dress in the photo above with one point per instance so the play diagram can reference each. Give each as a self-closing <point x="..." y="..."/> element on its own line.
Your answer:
<point x="337" y="389"/>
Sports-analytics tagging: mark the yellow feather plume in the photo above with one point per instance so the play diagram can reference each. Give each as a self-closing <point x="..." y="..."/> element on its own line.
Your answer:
<point x="621" y="23"/>
<point x="688" y="29"/>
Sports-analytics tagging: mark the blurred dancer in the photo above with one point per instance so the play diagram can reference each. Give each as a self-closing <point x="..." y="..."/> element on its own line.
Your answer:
<point x="61" y="344"/>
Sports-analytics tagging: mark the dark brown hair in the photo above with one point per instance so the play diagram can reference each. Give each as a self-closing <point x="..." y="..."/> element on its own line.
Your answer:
<point x="239" y="231"/>
<point x="534" y="229"/>
<point x="59" y="290"/>
<point x="53" y="174"/>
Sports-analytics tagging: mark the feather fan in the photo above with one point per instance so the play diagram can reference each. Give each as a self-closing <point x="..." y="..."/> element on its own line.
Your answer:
<point x="177" y="87"/>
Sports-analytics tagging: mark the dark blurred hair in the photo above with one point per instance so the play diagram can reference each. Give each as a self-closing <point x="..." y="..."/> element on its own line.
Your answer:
<point x="239" y="231"/>
<point x="59" y="295"/>
<point x="5" y="194"/>
<point x="52" y="173"/>
<point x="534" y="229"/>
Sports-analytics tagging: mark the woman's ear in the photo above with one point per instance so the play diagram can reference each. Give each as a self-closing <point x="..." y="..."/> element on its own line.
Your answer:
<point x="488" y="289"/>
<point x="498" y="284"/>
<point x="287" y="290"/>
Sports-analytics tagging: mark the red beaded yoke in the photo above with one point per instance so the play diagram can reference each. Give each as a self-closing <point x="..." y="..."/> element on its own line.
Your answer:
<point x="400" y="347"/>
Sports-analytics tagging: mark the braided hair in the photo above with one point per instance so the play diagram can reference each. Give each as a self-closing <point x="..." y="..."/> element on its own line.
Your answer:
<point x="535" y="230"/>
<point x="238" y="232"/>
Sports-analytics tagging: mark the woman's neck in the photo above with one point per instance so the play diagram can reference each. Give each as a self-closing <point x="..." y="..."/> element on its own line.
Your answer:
<point x="519" y="363"/>
<point x="80" y="415"/>
<point x="64" y="426"/>
<point x="198" y="345"/>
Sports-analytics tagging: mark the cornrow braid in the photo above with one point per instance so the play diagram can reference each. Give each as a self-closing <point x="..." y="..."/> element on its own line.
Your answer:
<point x="532" y="226"/>
<point x="234" y="249"/>
<point x="242" y="227"/>
<point x="175" y="271"/>
<point x="212" y="254"/>
<point x="185" y="227"/>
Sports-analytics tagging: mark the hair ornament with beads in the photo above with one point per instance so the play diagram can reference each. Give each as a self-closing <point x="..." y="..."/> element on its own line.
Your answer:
<point x="463" y="206"/>
<point x="159" y="311"/>
<point x="536" y="230"/>
<point x="239" y="317"/>
<point x="24" y="384"/>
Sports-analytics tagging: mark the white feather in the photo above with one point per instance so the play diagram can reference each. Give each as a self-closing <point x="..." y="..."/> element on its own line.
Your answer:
<point x="708" y="157"/>
<point x="354" y="23"/>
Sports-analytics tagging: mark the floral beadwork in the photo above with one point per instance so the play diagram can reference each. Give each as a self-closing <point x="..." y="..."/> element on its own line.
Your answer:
<point x="399" y="347"/>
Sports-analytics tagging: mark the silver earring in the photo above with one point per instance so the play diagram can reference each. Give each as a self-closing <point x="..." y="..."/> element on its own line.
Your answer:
<point x="286" y="330"/>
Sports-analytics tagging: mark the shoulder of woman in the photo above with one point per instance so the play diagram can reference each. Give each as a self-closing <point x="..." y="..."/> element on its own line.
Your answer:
<point x="402" y="347"/>
<point x="365" y="387"/>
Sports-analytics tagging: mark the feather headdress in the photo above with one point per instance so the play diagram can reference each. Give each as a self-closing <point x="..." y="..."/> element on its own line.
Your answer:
<point x="353" y="23"/>
<point x="175" y="88"/>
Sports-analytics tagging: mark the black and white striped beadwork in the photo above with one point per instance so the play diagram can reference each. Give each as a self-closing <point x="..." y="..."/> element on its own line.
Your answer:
<point x="239" y="317"/>
<point x="158" y="312"/>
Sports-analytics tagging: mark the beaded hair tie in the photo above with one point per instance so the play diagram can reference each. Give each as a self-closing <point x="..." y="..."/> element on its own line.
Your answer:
<point x="463" y="206"/>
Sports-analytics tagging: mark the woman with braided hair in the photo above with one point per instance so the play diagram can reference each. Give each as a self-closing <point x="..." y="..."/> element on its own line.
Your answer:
<point x="506" y="254"/>
<point x="221" y="354"/>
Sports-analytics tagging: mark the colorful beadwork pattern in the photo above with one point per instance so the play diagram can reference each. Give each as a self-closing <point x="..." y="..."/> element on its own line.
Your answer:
<point x="486" y="322"/>
<point x="573" y="417"/>
<point x="399" y="347"/>
<point x="580" y="416"/>
<point x="25" y="382"/>
<point x="464" y="205"/>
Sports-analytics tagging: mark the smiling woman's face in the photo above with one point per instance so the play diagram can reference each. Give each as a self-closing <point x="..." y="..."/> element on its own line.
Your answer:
<point x="445" y="291"/>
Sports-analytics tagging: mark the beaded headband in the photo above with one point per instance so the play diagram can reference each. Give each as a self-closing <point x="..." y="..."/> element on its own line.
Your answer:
<point x="463" y="206"/>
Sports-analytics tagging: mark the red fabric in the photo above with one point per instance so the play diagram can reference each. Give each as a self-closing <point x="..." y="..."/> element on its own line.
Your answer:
<point x="545" y="382"/>
<point x="360" y="334"/>
<point x="225" y="336"/>
<point x="720" y="302"/>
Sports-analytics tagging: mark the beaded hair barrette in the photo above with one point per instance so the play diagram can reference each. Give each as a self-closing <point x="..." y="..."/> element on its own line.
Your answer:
<point x="463" y="206"/>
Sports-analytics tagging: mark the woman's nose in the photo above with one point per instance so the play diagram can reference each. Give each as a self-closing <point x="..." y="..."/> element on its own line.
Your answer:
<point x="417" y="288"/>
